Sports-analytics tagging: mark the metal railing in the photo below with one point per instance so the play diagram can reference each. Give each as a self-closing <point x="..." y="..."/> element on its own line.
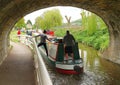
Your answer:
<point x="43" y="77"/>
<point x="42" y="73"/>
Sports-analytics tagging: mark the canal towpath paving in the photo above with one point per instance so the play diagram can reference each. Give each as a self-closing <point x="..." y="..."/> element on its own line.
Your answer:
<point x="18" y="67"/>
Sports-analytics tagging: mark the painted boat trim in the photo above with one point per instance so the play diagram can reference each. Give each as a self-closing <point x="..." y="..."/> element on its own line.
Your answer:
<point x="68" y="66"/>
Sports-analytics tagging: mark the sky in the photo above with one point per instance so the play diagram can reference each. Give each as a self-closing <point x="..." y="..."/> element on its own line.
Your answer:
<point x="72" y="12"/>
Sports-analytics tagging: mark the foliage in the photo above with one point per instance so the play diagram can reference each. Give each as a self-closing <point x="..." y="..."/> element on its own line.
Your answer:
<point x="34" y="26"/>
<point x="38" y="22"/>
<point x="99" y="39"/>
<point x="14" y="37"/>
<point x="49" y="19"/>
<point x="100" y="23"/>
<point x="92" y="24"/>
<point x="60" y="32"/>
<point x="20" y="24"/>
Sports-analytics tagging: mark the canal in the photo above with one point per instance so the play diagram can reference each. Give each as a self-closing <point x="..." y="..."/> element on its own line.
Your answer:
<point x="97" y="71"/>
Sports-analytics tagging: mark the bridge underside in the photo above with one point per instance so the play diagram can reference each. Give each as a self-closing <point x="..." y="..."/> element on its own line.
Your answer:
<point x="12" y="10"/>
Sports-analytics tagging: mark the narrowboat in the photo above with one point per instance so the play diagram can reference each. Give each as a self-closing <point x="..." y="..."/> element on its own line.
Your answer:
<point x="57" y="58"/>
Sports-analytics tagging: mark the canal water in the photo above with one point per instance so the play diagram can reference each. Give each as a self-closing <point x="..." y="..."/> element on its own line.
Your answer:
<point x="97" y="71"/>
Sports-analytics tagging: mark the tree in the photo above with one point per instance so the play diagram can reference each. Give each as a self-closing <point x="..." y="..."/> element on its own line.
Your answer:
<point x="84" y="19"/>
<point x="89" y="22"/>
<point x="48" y="19"/>
<point x="20" y="24"/>
<point x="92" y="23"/>
<point x="38" y="22"/>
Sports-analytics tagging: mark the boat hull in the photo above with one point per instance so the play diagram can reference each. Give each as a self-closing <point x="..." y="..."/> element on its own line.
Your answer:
<point x="64" y="71"/>
<point x="69" y="67"/>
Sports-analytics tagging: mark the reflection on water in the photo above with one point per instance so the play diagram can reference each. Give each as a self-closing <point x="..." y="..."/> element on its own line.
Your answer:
<point x="97" y="71"/>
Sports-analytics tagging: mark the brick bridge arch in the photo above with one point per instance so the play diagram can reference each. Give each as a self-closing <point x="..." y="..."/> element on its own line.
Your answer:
<point x="109" y="10"/>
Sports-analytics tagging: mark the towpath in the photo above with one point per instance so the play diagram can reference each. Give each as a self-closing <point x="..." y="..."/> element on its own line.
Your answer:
<point x="18" y="67"/>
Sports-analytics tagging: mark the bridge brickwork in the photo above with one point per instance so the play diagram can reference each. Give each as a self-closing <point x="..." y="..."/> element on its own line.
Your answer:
<point x="109" y="10"/>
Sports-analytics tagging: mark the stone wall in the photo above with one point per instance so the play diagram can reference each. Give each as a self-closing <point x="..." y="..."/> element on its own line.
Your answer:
<point x="3" y="46"/>
<point x="12" y="10"/>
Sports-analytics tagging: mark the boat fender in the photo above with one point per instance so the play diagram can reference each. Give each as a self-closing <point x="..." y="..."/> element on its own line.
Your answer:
<point x="77" y="68"/>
